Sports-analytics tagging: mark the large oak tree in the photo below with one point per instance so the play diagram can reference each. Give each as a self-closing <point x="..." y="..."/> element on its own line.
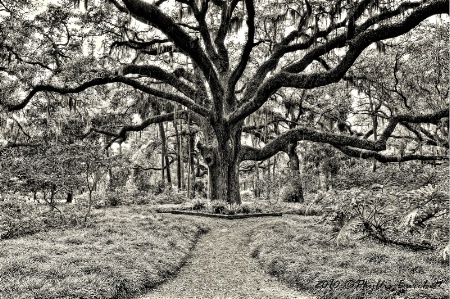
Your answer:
<point x="221" y="61"/>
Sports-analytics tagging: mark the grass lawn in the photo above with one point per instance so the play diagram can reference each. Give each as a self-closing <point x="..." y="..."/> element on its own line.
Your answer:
<point x="302" y="253"/>
<point x="123" y="253"/>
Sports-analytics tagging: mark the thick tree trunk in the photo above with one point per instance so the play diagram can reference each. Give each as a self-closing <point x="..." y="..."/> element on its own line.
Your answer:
<point x="223" y="164"/>
<point x="224" y="179"/>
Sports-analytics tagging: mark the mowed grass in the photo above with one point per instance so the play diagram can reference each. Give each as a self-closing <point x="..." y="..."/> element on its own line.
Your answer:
<point x="125" y="252"/>
<point x="303" y="254"/>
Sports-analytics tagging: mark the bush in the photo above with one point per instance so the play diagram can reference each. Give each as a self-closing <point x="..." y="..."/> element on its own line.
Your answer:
<point x="247" y="195"/>
<point x="410" y="175"/>
<point x="20" y="219"/>
<point x="113" y="200"/>
<point x="306" y="210"/>
<point x="292" y="192"/>
<point x="143" y="200"/>
<point x="244" y="209"/>
<point x="198" y="205"/>
<point x="415" y="219"/>
<point x="172" y="197"/>
<point x="198" y="186"/>
<point x="219" y="207"/>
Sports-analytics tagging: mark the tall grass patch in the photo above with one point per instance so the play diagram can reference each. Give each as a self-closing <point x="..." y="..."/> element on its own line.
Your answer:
<point x="301" y="253"/>
<point x="125" y="252"/>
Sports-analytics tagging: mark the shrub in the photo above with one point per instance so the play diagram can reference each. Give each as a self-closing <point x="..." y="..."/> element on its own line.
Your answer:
<point x="292" y="192"/>
<point x="413" y="219"/>
<point x="21" y="219"/>
<point x="246" y="195"/>
<point x="244" y="209"/>
<point x="159" y="188"/>
<point x="306" y="210"/>
<point x="198" y="186"/>
<point x="219" y="207"/>
<point x="142" y="200"/>
<point x="198" y="205"/>
<point x="113" y="201"/>
<point x="171" y="196"/>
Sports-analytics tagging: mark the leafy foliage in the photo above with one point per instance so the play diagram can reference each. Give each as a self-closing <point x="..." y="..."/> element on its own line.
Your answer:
<point x="292" y="190"/>
<point x="418" y="218"/>
<point x="19" y="219"/>
<point x="51" y="168"/>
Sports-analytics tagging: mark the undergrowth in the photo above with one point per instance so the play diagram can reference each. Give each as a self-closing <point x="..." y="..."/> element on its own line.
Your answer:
<point x="20" y="218"/>
<point x="302" y="254"/>
<point x="254" y="207"/>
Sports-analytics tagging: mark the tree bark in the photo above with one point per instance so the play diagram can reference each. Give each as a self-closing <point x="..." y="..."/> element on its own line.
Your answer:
<point x="374" y="111"/>
<point x="164" y="154"/>
<point x="256" y="190"/>
<point x="294" y="187"/>
<point x="69" y="197"/>
<point x="223" y="164"/>
<point x="178" y="149"/>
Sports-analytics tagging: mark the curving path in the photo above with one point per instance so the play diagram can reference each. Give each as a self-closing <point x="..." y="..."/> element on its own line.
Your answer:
<point x="220" y="267"/>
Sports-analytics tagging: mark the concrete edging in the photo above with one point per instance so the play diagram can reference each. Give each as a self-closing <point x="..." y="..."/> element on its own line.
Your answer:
<point x="238" y="216"/>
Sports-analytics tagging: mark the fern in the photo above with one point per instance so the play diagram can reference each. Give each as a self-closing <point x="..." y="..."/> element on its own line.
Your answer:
<point x="409" y="221"/>
<point x="353" y="230"/>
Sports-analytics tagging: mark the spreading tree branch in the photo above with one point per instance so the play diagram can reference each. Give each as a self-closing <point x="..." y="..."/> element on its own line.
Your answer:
<point x="289" y="77"/>
<point x="363" y="154"/>
<point x="121" y="135"/>
<point x="239" y="70"/>
<point x="188" y="103"/>
<point x="337" y="140"/>
<point x="153" y="16"/>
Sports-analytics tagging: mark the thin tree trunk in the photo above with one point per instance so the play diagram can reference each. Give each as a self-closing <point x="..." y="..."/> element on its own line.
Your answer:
<point x="165" y="157"/>
<point x="69" y="197"/>
<point x="189" y="167"/>
<point x="52" y="197"/>
<point x="183" y="184"/>
<point x="88" y="213"/>
<point x="274" y="166"/>
<point x="177" y="140"/>
<point x="110" y="173"/>
<point x="256" y="183"/>
<point x="375" y="127"/>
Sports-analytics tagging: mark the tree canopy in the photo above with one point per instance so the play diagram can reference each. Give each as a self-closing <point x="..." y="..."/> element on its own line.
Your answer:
<point x="94" y="66"/>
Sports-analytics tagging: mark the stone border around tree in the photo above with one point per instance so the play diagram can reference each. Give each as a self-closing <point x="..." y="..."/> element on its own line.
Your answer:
<point x="238" y="216"/>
